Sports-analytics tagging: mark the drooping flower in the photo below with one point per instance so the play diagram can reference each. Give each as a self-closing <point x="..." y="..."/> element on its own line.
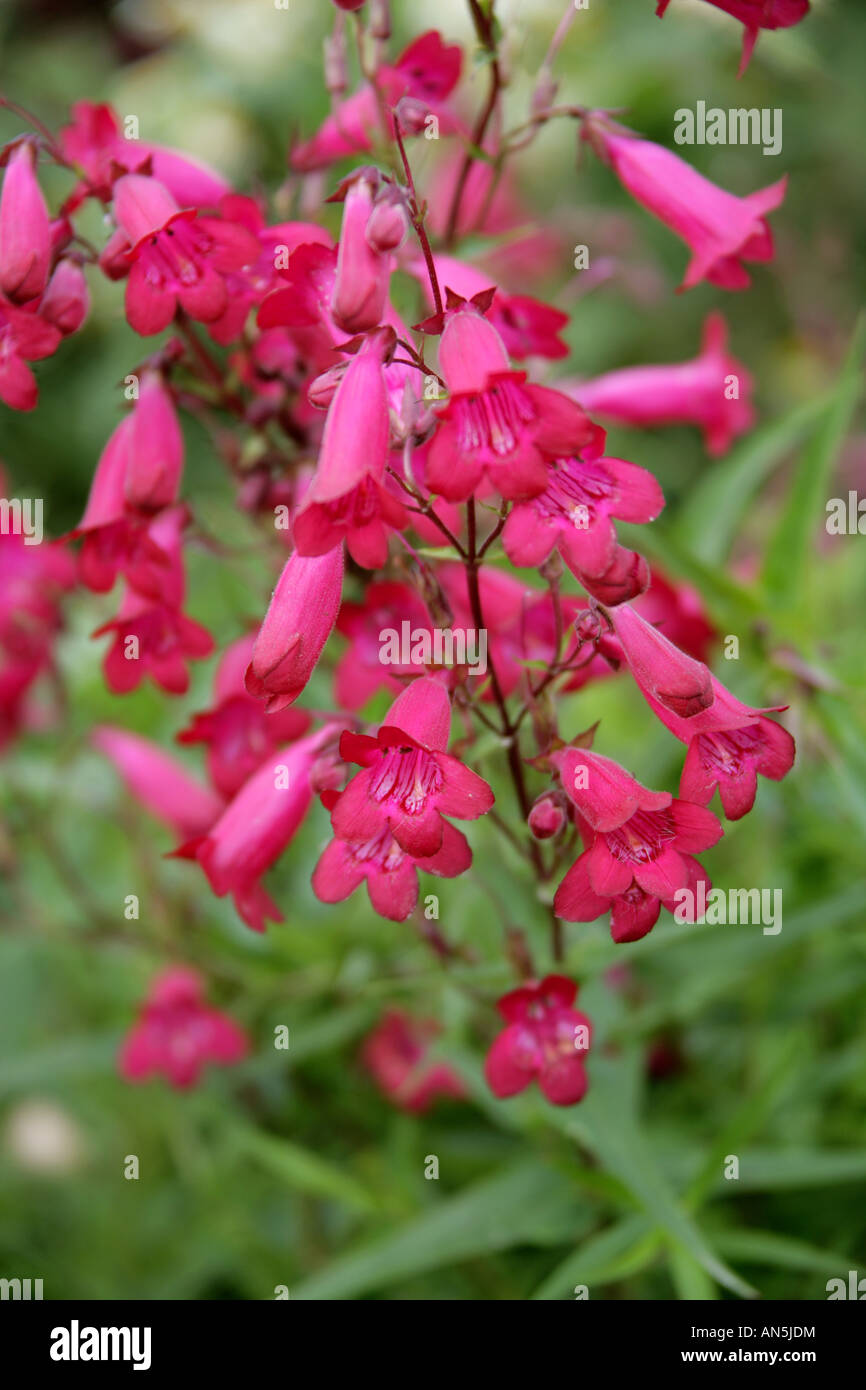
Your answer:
<point x="66" y="301"/>
<point x="256" y="827"/>
<point x="679" y="682"/>
<point x="395" y="1053"/>
<point x="679" y="612"/>
<point x="24" y="337"/>
<point x="178" y="1034"/>
<point x="300" y="618"/>
<point x="409" y="782"/>
<point x="237" y="731"/>
<point x="348" y="497"/>
<point x="639" y="845"/>
<point x="176" y="257"/>
<point x="721" y="229"/>
<point x="755" y="15"/>
<point x="545" y="1040"/>
<point x="425" y="73"/>
<point x="25" y="229"/>
<point x="713" y="391"/>
<point x="496" y="427"/>
<point x="371" y="230"/>
<point x="159" y="782"/>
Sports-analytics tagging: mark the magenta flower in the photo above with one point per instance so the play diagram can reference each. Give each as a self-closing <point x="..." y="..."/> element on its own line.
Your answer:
<point x="298" y="623"/>
<point x="25" y="229"/>
<point x="574" y="512"/>
<point x="256" y="827"/>
<point x="371" y="230"/>
<point x="66" y="301"/>
<point x="24" y="338"/>
<point x="178" y="1034"/>
<point x="425" y="73"/>
<point x="176" y="257"/>
<point x="545" y="1040"/>
<point x="677" y="681"/>
<point x="348" y="497"/>
<point x="390" y="873"/>
<point x="639" y="845"/>
<point x="159" y="782"/>
<point x="528" y="327"/>
<point x="360" y="671"/>
<point x="713" y="391"/>
<point x="721" y="229"/>
<point x="154" y="449"/>
<point x="496" y="427"/>
<point x="755" y="15"/>
<point x="678" y="610"/>
<point x="409" y="782"/>
<point x="395" y="1054"/>
<point x="152" y="638"/>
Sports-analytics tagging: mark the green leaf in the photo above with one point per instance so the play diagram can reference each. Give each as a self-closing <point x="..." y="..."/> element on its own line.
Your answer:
<point x="302" y="1170"/>
<point x="623" y="1249"/>
<point x="782" y="1252"/>
<point x="790" y="558"/>
<point x="532" y="1204"/>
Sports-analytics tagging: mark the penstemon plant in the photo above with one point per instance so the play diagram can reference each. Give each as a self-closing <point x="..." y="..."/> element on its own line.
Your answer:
<point x="451" y="514"/>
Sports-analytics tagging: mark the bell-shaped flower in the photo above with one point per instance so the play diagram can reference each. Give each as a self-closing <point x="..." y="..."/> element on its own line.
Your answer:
<point x="300" y="618"/>
<point x="178" y="1034"/>
<point x="545" y="1040"/>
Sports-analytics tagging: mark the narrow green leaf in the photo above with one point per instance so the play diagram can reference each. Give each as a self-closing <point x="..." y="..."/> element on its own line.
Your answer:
<point x="302" y="1170"/>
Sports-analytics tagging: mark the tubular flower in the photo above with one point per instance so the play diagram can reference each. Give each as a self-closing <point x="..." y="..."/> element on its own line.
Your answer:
<point x="178" y="1034"/>
<point x="298" y="623"/>
<point x="721" y="229"/>
<point x="755" y="15"/>
<point x="237" y="731"/>
<point x="370" y="232"/>
<point x="348" y="497"/>
<point x="496" y="427"/>
<point x="176" y="257"/>
<point x="713" y="392"/>
<point x="159" y="782"/>
<point x="389" y="872"/>
<point x="24" y="338"/>
<point x="639" y="845"/>
<point x="409" y="782"/>
<point x="545" y="1040"/>
<point x="25" y="229"/>
<point x="361" y="670"/>
<point x="256" y="827"/>
<point x="395" y="1055"/>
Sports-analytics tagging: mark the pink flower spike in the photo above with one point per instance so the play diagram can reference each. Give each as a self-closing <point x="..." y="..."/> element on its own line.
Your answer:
<point x="679" y="683"/>
<point x="409" y="782"/>
<point x="25" y="228"/>
<point x="177" y="1034"/>
<point x="545" y="1040"/>
<point x="713" y="391"/>
<point x="298" y="623"/>
<point x="721" y="229"/>
<point x="159" y="782"/>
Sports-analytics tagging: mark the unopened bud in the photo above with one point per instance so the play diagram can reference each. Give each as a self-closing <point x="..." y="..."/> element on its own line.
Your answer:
<point x="547" y="815"/>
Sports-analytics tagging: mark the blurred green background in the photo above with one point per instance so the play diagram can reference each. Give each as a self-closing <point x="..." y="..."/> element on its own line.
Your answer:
<point x="292" y="1169"/>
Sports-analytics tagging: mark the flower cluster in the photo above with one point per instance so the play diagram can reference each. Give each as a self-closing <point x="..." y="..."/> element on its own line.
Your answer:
<point x="439" y="477"/>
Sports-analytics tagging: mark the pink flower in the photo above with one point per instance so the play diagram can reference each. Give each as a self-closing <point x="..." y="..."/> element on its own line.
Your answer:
<point x="177" y="1034"/>
<point x="755" y="15"/>
<point x="154" y="449"/>
<point x="176" y="257"/>
<point x="298" y="623"/>
<point x="678" y="610"/>
<point x="25" y="229"/>
<point x="713" y="391"/>
<point x="528" y="327"/>
<point x="547" y="816"/>
<point x="395" y="1054"/>
<point x="409" y="781"/>
<point x="425" y="73"/>
<point x="639" y="845"/>
<point x="256" y="827"/>
<point x="389" y="872"/>
<point x="33" y="579"/>
<point x="154" y="638"/>
<point x="237" y="731"/>
<point x="721" y="229"/>
<point x="496" y="427"/>
<point x="95" y="143"/>
<point x="360" y="670"/>
<point x="677" y="681"/>
<point x="545" y="1040"/>
<point x="371" y="230"/>
<point x="66" y="301"/>
<point x="574" y="512"/>
<point x="348" y="497"/>
<point x="24" y="338"/>
<point x="159" y="782"/>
